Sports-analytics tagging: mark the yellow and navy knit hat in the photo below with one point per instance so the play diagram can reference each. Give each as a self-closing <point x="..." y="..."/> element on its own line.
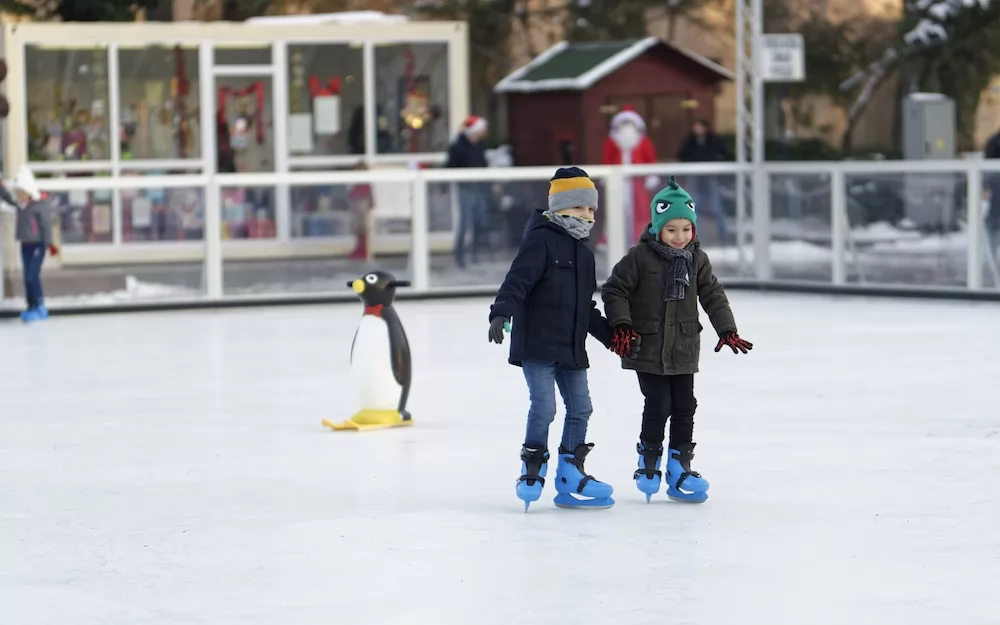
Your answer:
<point x="571" y="187"/>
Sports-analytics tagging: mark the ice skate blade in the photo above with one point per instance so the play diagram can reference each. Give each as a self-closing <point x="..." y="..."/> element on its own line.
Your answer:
<point x="570" y="502"/>
<point x="682" y="497"/>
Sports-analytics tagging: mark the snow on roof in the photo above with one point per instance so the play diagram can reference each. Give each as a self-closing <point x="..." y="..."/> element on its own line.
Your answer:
<point x="579" y="66"/>
<point x="344" y="17"/>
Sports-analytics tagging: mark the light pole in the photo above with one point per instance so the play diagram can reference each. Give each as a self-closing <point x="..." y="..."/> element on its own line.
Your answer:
<point x="750" y="129"/>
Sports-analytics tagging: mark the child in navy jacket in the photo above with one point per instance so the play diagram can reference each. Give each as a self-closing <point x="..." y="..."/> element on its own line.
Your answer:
<point x="548" y="292"/>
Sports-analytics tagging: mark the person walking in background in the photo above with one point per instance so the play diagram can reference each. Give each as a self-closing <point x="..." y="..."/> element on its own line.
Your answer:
<point x="467" y="150"/>
<point x="992" y="181"/>
<point x="703" y="146"/>
<point x="34" y="231"/>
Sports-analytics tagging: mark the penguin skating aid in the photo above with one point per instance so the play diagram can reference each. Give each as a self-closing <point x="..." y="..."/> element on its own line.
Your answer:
<point x="380" y="359"/>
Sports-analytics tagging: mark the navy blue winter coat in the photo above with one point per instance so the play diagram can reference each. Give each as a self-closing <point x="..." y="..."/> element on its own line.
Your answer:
<point x="548" y="294"/>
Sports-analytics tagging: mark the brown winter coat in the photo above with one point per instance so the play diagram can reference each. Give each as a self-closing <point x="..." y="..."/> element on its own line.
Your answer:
<point x="670" y="331"/>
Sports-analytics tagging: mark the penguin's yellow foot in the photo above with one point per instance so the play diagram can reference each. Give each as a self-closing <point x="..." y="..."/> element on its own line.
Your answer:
<point x="371" y="420"/>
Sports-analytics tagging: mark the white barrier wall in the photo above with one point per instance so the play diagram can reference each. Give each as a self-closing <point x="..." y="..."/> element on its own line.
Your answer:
<point x="915" y="224"/>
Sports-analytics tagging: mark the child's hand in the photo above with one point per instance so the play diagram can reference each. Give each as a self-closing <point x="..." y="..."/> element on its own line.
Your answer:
<point x="734" y="341"/>
<point x="53" y="250"/>
<point x="497" y="326"/>
<point x="625" y="341"/>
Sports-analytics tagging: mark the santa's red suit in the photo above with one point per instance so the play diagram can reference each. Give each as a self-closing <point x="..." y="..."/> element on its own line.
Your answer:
<point x="628" y="144"/>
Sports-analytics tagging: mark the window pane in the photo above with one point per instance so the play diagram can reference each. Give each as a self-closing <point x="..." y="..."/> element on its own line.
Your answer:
<point x="325" y="100"/>
<point x="248" y="213"/>
<point x="67" y="103"/>
<point x="83" y="216"/>
<point x="174" y="214"/>
<point x="412" y="97"/>
<point x="245" y="132"/>
<point x="159" y="100"/>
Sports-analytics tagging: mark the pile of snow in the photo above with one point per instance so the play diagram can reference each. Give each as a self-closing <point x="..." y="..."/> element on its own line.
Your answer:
<point x="794" y="253"/>
<point x="135" y="290"/>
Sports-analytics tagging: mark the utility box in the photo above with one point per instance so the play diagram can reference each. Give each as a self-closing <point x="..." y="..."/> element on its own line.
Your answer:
<point x="929" y="133"/>
<point x="928" y="126"/>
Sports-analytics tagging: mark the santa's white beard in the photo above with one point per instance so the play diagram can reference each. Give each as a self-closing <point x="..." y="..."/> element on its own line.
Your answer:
<point x="626" y="137"/>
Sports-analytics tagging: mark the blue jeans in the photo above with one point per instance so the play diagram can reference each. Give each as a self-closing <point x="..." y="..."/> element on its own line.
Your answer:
<point x="542" y="378"/>
<point x="32" y="257"/>
<point x="471" y="220"/>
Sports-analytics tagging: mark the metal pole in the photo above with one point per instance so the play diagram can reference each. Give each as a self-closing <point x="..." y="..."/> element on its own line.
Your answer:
<point x="761" y="181"/>
<point x="757" y="6"/>
<point x="741" y="132"/>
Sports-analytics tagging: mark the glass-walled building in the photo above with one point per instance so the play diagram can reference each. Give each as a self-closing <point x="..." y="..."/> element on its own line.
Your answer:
<point x="196" y="98"/>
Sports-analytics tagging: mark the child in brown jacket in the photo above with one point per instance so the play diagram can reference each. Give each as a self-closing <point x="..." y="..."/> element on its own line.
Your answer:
<point x="651" y="301"/>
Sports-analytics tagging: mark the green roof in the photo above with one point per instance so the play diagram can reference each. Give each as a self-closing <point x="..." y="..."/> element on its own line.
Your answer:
<point x="578" y="66"/>
<point x="576" y="60"/>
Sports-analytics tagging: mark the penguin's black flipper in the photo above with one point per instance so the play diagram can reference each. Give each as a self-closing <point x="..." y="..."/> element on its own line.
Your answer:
<point x="353" y="341"/>
<point x="399" y="348"/>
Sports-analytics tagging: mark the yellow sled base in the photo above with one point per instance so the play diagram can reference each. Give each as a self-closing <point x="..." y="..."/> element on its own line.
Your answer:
<point x="367" y="420"/>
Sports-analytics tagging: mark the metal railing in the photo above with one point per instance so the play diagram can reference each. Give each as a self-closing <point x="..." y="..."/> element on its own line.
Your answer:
<point x="844" y="197"/>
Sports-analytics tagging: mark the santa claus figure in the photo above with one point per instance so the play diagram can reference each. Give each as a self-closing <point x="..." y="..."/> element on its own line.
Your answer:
<point x="628" y="144"/>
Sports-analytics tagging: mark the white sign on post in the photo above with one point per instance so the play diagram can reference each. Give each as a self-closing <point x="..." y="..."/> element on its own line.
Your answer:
<point x="782" y="58"/>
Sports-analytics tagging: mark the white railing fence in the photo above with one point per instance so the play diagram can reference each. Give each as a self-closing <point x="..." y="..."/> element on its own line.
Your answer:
<point x="865" y="223"/>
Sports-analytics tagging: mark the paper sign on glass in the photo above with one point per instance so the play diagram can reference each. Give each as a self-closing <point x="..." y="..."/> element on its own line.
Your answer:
<point x="300" y="133"/>
<point x="142" y="212"/>
<point x="326" y="111"/>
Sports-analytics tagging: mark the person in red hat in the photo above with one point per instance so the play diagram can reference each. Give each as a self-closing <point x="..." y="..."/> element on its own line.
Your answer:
<point x="468" y="150"/>
<point x="628" y="144"/>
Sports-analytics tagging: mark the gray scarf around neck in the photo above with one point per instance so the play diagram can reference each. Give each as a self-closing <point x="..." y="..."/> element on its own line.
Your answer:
<point x="576" y="227"/>
<point x="679" y="268"/>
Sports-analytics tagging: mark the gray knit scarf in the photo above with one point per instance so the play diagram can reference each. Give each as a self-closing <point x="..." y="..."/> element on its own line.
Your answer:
<point x="679" y="268"/>
<point x="576" y="227"/>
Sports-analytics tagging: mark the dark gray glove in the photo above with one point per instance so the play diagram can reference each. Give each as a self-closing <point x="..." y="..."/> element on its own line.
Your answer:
<point x="497" y="326"/>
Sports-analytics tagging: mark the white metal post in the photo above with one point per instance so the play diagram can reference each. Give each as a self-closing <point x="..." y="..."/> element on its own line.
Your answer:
<point x="368" y="79"/>
<point x="212" y="218"/>
<point x="279" y="102"/>
<point x="213" y="239"/>
<point x="614" y="220"/>
<point x="114" y="122"/>
<point x="974" y="226"/>
<point x="838" y="226"/>
<point x="420" y="259"/>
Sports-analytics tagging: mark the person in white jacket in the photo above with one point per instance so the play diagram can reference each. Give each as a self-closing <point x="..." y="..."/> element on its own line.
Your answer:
<point x="33" y="231"/>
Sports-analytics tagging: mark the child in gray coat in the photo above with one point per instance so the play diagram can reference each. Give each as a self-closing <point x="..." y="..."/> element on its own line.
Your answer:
<point x="34" y="232"/>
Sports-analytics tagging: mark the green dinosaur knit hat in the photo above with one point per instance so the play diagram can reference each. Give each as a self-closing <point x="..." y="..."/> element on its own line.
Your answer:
<point x="671" y="202"/>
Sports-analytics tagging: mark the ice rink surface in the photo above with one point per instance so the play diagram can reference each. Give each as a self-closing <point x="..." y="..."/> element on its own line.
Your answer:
<point x="171" y="469"/>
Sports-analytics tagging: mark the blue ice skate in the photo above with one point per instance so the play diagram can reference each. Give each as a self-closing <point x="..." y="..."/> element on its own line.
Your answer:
<point x="647" y="476"/>
<point x="577" y="489"/>
<point x="43" y="312"/>
<point x="683" y="484"/>
<point x="534" y="466"/>
<point x="30" y="315"/>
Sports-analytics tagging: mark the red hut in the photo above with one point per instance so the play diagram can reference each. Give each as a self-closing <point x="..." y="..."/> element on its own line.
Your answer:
<point x="559" y="104"/>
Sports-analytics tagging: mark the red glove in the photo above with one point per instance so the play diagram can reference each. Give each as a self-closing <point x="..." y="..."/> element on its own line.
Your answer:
<point x="625" y="341"/>
<point x="53" y="249"/>
<point x="734" y="341"/>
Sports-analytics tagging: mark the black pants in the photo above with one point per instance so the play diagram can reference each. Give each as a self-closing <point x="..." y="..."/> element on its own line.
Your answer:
<point x="668" y="397"/>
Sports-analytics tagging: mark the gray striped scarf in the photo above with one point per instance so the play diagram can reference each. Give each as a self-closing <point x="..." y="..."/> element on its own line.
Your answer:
<point x="679" y="268"/>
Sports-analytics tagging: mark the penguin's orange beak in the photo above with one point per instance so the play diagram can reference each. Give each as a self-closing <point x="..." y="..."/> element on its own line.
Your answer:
<point x="358" y="286"/>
